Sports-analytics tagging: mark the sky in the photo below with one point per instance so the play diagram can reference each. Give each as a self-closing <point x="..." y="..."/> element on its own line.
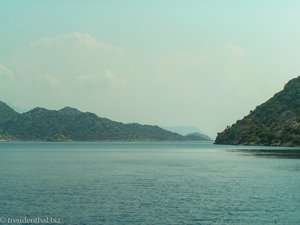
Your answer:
<point x="200" y="63"/>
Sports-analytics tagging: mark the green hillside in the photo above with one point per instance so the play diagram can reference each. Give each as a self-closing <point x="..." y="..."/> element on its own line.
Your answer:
<point x="6" y="113"/>
<point x="72" y="124"/>
<point x="275" y="122"/>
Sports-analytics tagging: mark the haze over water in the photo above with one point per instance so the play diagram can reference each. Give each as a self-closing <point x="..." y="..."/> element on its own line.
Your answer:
<point x="194" y="63"/>
<point x="148" y="183"/>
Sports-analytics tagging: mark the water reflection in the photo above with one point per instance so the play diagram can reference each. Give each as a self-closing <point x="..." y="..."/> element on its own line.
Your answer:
<point x="276" y="153"/>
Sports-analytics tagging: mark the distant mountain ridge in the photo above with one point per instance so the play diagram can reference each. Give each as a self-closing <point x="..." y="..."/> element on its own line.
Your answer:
<point x="275" y="122"/>
<point x="196" y="136"/>
<point x="190" y="133"/>
<point x="71" y="124"/>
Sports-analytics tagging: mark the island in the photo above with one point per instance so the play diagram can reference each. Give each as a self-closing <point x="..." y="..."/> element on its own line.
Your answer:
<point x="70" y="124"/>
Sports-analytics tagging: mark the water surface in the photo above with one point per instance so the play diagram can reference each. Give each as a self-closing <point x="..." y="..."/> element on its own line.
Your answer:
<point x="149" y="183"/>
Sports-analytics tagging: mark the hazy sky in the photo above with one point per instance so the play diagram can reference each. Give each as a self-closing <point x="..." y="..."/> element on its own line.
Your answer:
<point x="164" y="62"/>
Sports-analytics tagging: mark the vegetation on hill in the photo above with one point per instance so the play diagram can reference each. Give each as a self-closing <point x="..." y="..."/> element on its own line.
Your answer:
<point x="71" y="124"/>
<point x="275" y="122"/>
<point x="6" y="113"/>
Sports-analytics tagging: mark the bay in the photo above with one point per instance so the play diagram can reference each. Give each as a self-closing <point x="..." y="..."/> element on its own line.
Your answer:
<point x="149" y="183"/>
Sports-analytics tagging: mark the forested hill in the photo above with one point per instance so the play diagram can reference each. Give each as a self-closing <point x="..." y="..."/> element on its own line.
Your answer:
<point x="71" y="124"/>
<point x="275" y="122"/>
<point x="6" y="112"/>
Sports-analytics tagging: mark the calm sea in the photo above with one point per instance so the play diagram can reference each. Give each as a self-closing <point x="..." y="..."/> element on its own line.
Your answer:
<point x="147" y="183"/>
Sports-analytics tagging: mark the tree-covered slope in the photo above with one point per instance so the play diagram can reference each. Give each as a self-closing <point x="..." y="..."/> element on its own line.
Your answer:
<point x="6" y="112"/>
<point x="275" y="122"/>
<point x="71" y="124"/>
